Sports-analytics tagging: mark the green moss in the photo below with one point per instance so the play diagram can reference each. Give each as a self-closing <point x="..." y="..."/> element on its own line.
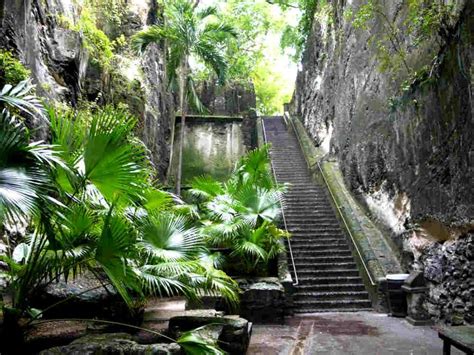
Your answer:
<point x="194" y="165"/>
<point x="96" y="41"/>
<point x="11" y="69"/>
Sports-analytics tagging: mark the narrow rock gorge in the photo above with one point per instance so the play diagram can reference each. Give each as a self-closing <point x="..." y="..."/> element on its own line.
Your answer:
<point x="397" y="114"/>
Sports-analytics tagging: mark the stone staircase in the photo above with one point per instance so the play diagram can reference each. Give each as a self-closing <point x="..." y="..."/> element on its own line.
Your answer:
<point x="328" y="276"/>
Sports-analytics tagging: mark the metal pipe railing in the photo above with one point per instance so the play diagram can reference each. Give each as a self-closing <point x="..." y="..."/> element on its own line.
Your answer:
<point x="282" y="209"/>
<point x="335" y="204"/>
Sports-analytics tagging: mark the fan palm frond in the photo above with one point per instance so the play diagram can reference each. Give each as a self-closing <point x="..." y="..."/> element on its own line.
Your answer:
<point x="112" y="252"/>
<point x="167" y="238"/>
<point x="256" y="204"/>
<point x="205" y="187"/>
<point x="21" y="98"/>
<point x="114" y="164"/>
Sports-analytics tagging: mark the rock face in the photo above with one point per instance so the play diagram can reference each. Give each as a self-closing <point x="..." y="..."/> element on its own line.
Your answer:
<point x="54" y="55"/>
<point x="230" y="100"/>
<point x="61" y="67"/>
<point x="449" y="270"/>
<point x="403" y="139"/>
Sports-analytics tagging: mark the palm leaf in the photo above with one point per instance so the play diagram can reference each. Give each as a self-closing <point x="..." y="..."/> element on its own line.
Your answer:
<point x="114" y="164"/>
<point x="195" y="344"/>
<point x="20" y="97"/>
<point x="167" y="238"/>
<point x="257" y="204"/>
<point x="205" y="187"/>
<point x="112" y="252"/>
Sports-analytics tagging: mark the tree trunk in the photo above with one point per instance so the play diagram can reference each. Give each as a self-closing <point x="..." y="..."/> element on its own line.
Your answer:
<point x="182" y="104"/>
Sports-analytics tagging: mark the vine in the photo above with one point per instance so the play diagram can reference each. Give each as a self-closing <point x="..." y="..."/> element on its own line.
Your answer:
<point x="425" y="20"/>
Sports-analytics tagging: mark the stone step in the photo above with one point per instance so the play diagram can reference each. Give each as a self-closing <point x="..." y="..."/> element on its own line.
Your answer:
<point x="314" y="229"/>
<point x="330" y="295"/>
<point x="330" y="287"/>
<point x="304" y="311"/>
<point x="318" y="241"/>
<point x="299" y="204"/>
<point x="332" y="252"/>
<point x="327" y="273"/>
<point x="337" y="280"/>
<point x="332" y="304"/>
<point x="325" y="266"/>
<point x="298" y="245"/>
<point x="305" y="245"/>
<point x="322" y="220"/>
<point x="321" y="259"/>
<point x="311" y="215"/>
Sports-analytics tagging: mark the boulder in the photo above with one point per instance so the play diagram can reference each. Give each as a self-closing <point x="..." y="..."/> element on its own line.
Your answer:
<point x="263" y="300"/>
<point x="85" y="297"/>
<point x="114" y="343"/>
<point x="234" y="337"/>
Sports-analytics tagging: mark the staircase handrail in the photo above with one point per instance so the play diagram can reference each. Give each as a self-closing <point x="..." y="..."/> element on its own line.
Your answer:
<point x="282" y="209"/>
<point x="335" y="203"/>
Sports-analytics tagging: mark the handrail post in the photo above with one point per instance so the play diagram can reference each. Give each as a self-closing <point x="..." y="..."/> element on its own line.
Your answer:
<point x="335" y="204"/>
<point x="282" y="209"/>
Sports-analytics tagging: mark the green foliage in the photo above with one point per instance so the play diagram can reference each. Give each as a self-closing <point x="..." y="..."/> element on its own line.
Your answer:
<point x="255" y="55"/>
<point x="11" y="69"/>
<point x="108" y="12"/>
<point x="193" y="343"/>
<point x="295" y="36"/>
<point x="190" y="33"/>
<point x="90" y="204"/>
<point x="425" y="21"/>
<point x="240" y="214"/>
<point x="271" y="90"/>
<point x="95" y="40"/>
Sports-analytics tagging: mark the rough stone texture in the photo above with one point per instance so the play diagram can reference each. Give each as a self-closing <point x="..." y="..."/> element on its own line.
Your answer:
<point x="97" y="302"/>
<point x="115" y="343"/>
<point x="263" y="300"/>
<point x="448" y="268"/>
<point x="159" y="112"/>
<point x="235" y="335"/>
<point x="411" y="165"/>
<point x="54" y="55"/>
<point x="61" y="68"/>
<point x="231" y="100"/>
<point x="47" y="335"/>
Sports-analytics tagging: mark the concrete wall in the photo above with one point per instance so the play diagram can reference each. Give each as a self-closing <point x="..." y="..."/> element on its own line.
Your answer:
<point x="212" y="147"/>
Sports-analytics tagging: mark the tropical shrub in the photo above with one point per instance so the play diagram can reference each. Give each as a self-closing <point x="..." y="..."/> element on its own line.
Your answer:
<point x="91" y="206"/>
<point x="240" y="215"/>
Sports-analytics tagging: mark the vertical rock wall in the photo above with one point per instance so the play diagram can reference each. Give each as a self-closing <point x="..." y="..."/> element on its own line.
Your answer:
<point x="61" y="68"/>
<point x="407" y="155"/>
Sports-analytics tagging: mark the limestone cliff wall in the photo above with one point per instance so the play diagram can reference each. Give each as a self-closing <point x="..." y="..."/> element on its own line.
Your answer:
<point x="403" y="137"/>
<point x="61" y="67"/>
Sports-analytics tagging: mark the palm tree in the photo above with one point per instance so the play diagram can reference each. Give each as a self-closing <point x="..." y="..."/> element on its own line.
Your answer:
<point x="241" y="214"/>
<point x="107" y="216"/>
<point x="188" y="32"/>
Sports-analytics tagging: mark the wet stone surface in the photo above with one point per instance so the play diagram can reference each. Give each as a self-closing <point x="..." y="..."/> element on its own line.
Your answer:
<point x="344" y="333"/>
